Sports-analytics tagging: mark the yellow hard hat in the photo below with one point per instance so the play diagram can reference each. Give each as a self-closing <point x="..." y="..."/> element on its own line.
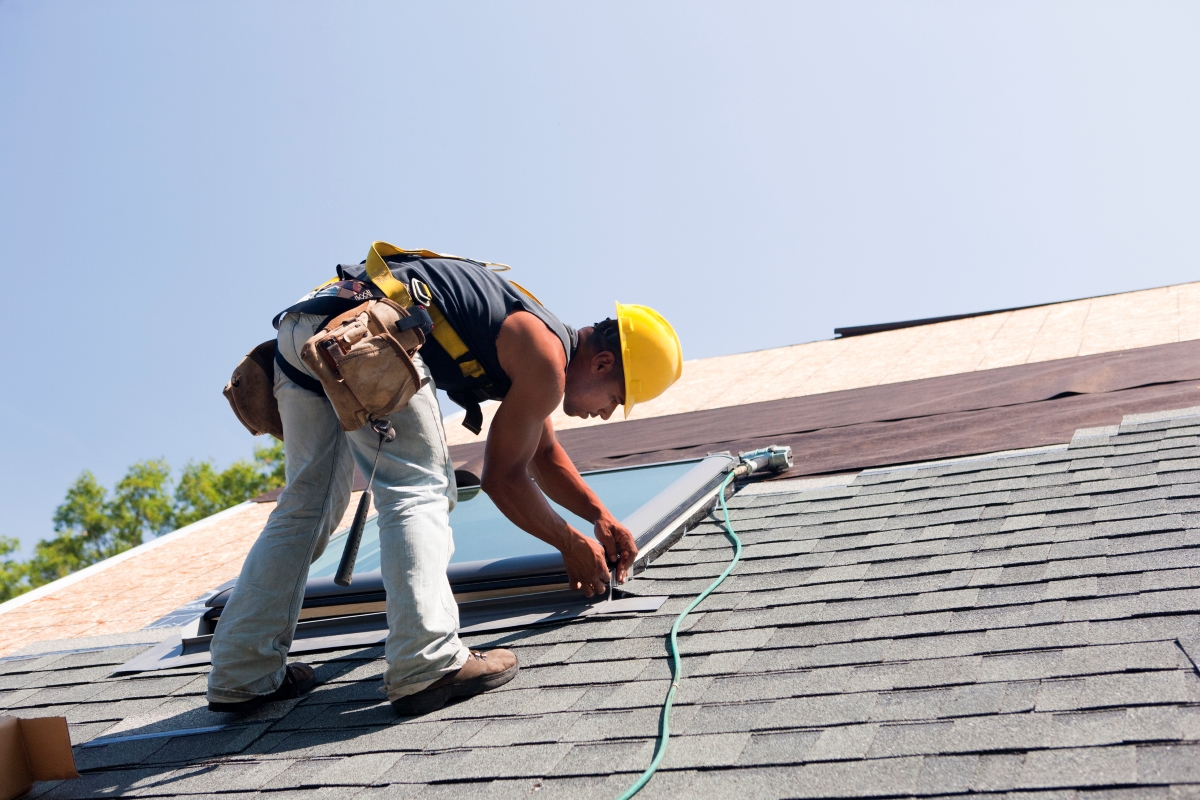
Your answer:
<point x="650" y="352"/>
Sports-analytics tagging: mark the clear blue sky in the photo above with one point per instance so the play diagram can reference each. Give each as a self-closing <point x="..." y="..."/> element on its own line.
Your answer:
<point x="172" y="174"/>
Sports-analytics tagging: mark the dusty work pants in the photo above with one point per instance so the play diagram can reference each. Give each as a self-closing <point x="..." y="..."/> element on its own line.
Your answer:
<point x="414" y="492"/>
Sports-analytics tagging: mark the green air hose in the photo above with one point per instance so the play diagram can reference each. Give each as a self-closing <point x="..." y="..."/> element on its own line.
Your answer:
<point x="664" y="730"/>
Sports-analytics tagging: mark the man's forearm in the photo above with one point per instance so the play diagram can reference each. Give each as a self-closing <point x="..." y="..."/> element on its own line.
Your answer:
<point x="557" y="477"/>
<point x="520" y="499"/>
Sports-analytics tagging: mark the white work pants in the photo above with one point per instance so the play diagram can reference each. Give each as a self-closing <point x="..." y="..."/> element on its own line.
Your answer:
<point x="414" y="493"/>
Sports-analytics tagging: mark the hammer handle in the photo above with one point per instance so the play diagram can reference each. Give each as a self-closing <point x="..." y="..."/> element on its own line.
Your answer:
<point x="345" y="572"/>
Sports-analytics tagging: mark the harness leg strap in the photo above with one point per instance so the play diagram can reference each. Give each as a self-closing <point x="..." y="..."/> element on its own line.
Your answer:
<point x="473" y="421"/>
<point x="296" y="376"/>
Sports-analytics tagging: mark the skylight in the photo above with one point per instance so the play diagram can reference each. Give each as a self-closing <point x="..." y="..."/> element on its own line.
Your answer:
<point x="481" y="532"/>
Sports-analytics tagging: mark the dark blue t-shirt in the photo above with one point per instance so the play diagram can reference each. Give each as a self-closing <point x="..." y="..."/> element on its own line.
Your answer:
<point x="475" y="301"/>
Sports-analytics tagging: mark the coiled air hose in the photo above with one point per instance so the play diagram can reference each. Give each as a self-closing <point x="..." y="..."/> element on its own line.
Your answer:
<point x="664" y="728"/>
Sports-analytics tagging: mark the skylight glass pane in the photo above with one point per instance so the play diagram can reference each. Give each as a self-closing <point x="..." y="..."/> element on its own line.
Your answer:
<point x="482" y="532"/>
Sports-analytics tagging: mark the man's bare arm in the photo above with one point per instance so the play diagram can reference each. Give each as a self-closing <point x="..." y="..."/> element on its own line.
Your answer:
<point x="557" y="477"/>
<point x="533" y="358"/>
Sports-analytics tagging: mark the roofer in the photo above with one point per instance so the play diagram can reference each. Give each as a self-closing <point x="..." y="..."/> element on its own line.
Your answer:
<point x="487" y="339"/>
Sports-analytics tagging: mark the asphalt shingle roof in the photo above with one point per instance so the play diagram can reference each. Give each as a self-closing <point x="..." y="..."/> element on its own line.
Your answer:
<point x="1019" y="624"/>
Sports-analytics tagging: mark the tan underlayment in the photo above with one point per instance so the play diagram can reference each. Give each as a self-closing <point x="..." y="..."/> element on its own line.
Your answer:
<point x="133" y="593"/>
<point x="1062" y="330"/>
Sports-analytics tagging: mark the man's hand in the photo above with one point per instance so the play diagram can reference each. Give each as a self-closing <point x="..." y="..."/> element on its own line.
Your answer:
<point x="619" y="544"/>
<point x="587" y="570"/>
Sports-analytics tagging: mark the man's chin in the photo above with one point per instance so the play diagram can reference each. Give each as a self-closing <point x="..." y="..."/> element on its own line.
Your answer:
<point x="572" y="410"/>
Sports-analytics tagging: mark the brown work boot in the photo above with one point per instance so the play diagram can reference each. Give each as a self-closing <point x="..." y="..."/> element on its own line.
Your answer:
<point x="298" y="680"/>
<point x="483" y="671"/>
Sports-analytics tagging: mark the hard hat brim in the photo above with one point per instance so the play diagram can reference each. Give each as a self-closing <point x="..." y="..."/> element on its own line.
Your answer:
<point x="628" y="404"/>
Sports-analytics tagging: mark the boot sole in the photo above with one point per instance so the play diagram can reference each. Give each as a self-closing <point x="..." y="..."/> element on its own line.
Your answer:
<point x="284" y="692"/>
<point x="424" y="702"/>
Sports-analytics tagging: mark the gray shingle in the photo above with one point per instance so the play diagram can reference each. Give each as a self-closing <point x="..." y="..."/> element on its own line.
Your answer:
<point x="999" y="733"/>
<point x="599" y="758"/>
<point x="1179" y="763"/>
<point x="921" y="704"/>
<point x="704" y="750"/>
<point x="816" y="656"/>
<point x="124" y="754"/>
<point x="755" y="782"/>
<point x="644" y="692"/>
<point x="1022" y="666"/>
<point x="725" y="717"/>
<point x="910" y="739"/>
<point x="99" y="784"/>
<point x="770" y="686"/>
<point x="56" y="695"/>
<point x="599" y="726"/>
<point x="211" y="778"/>
<point x="978" y="699"/>
<point x="941" y="774"/>
<point x="813" y="712"/>
<point x="1107" y="691"/>
<point x="185" y="749"/>
<point x="856" y="778"/>
<point x="1090" y="766"/>
<point x="998" y="773"/>
<point x="843" y="743"/>
<point x="530" y="701"/>
<point x="790" y="747"/>
<point x="1012" y="594"/>
<point x="1089" y="728"/>
<point x="942" y="601"/>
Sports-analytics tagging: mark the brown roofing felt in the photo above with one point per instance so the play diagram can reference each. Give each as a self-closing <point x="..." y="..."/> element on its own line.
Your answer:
<point x="976" y="412"/>
<point x="1064" y="330"/>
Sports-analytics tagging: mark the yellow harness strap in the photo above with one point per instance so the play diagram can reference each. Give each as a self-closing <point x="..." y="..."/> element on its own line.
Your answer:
<point x="447" y="337"/>
<point x="453" y="344"/>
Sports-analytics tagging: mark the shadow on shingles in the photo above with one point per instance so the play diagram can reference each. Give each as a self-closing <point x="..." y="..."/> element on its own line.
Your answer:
<point x="338" y="711"/>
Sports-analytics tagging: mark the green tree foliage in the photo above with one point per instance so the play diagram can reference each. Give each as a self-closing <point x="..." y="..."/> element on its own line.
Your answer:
<point x="93" y="524"/>
<point x="11" y="572"/>
<point x="203" y="491"/>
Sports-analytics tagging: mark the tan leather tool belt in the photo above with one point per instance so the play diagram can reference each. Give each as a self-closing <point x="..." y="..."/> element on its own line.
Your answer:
<point x="364" y="360"/>
<point x="362" y="357"/>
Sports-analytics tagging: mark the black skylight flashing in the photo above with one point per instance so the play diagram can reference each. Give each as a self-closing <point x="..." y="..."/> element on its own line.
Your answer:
<point x="494" y="594"/>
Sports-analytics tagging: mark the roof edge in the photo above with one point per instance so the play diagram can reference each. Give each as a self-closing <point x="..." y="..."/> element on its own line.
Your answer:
<point x="1130" y="420"/>
<point x="942" y="462"/>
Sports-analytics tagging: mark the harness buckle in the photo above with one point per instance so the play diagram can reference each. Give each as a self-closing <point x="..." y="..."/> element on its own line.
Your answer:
<point x="420" y="292"/>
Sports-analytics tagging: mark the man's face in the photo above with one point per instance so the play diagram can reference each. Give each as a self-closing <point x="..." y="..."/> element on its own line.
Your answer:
<point x="595" y="387"/>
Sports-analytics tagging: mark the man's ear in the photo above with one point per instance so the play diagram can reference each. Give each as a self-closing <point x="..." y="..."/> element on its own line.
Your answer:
<point x="603" y="362"/>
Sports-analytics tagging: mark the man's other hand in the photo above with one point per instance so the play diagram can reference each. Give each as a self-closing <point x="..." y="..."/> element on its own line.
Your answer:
<point x="619" y="545"/>
<point x="587" y="570"/>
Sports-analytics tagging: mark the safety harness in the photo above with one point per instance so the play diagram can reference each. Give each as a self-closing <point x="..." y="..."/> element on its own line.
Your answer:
<point x="332" y="297"/>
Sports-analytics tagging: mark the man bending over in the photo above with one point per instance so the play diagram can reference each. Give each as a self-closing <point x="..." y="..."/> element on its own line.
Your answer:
<point x="491" y="340"/>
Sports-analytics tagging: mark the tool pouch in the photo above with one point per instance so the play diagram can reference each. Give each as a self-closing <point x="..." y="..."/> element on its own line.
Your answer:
<point x="363" y="358"/>
<point x="251" y="392"/>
